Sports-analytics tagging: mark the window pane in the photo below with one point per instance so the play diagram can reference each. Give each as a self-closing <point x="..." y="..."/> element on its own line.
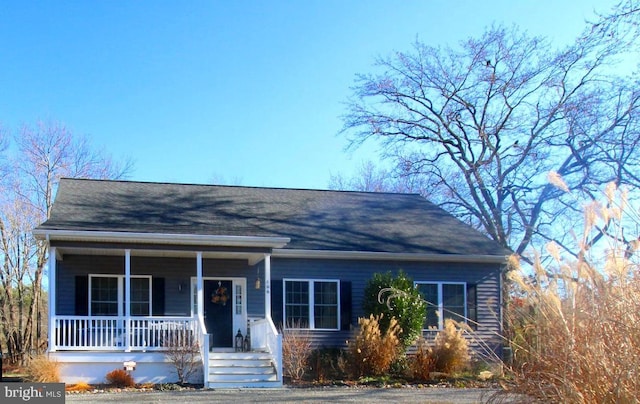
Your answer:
<point x="297" y="292"/>
<point x="140" y="289"/>
<point x="453" y="301"/>
<point x="140" y="296"/>
<point x="139" y="309"/>
<point x="194" y="300"/>
<point x="326" y="293"/>
<point x="452" y="295"/>
<point x="454" y="313"/>
<point x="104" y="296"/>
<point x="238" y="299"/>
<point x="325" y="308"/>
<point x="297" y="304"/>
<point x="326" y="317"/>
<point x="429" y="292"/>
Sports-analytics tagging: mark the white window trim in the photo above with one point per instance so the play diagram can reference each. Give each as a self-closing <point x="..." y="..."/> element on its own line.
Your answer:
<point x="311" y="303"/>
<point x="121" y="291"/>
<point x="440" y="309"/>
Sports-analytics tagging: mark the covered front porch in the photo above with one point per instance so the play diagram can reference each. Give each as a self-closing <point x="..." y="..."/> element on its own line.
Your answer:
<point x="140" y="298"/>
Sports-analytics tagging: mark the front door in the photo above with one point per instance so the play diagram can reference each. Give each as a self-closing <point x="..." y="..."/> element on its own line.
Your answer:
<point x="218" y="312"/>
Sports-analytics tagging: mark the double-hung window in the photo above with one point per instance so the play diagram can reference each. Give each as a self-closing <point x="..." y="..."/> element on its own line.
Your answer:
<point x="104" y="295"/>
<point x="312" y="304"/>
<point x="140" y="296"/>
<point x="444" y="300"/>
<point x="107" y="295"/>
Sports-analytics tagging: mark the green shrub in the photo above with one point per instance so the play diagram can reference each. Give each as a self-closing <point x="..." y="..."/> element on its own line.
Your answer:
<point x="327" y="364"/>
<point x="399" y="368"/>
<point x="396" y="298"/>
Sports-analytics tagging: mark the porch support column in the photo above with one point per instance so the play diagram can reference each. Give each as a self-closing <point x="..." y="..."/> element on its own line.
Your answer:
<point x="127" y="300"/>
<point x="267" y="286"/>
<point x="52" y="299"/>
<point x="199" y="286"/>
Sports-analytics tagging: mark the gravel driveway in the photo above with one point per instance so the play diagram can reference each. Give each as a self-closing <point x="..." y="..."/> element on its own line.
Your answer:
<point x="294" y="395"/>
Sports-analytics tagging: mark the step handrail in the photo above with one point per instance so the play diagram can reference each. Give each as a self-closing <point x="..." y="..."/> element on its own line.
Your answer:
<point x="267" y="336"/>
<point x="203" y="342"/>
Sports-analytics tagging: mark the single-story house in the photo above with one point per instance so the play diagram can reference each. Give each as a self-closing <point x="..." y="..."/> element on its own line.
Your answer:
<point x="137" y="266"/>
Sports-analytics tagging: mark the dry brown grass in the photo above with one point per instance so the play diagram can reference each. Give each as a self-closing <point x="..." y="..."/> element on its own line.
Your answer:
<point x="575" y="324"/>
<point x="451" y="349"/>
<point x="371" y="353"/>
<point x="423" y="362"/>
<point x="80" y="387"/>
<point x="42" y="370"/>
<point x="296" y="351"/>
<point x="120" y="378"/>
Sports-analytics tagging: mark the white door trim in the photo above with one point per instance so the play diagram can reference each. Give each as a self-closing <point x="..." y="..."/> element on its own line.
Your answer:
<point x="239" y="319"/>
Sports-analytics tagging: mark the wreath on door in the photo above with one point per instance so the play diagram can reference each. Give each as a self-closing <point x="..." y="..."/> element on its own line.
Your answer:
<point x="220" y="296"/>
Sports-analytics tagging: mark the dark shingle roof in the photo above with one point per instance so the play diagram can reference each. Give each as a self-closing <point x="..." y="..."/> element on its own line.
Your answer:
<point x="312" y="219"/>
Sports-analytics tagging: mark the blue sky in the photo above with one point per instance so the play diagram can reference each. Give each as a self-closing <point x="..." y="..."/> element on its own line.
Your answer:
<point x="236" y="92"/>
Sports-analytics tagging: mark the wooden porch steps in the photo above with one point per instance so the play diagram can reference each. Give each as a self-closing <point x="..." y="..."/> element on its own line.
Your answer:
<point x="241" y="369"/>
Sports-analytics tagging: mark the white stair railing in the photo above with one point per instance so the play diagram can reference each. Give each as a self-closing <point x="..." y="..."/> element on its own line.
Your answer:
<point x="203" y="343"/>
<point x="264" y="335"/>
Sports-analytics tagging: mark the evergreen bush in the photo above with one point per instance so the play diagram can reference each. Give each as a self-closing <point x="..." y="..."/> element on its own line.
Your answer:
<point x="396" y="297"/>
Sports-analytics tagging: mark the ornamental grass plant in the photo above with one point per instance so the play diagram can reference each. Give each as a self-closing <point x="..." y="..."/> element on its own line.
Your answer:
<point x="451" y="349"/>
<point x="422" y="363"/>
<point x="574" y="322"/>
<point x="42" y="370"/>
<point x="372" y="351"/>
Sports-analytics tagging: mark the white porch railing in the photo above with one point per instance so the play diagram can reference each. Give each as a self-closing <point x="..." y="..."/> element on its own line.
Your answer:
<point x="109" y="333"/>
<point x="264" y="335"/>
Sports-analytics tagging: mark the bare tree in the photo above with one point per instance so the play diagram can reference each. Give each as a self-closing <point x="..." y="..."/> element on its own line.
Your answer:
<point x="183" y="352"/>
<point x="370" y="178"/>
<point x="621" y="24"/>
<point x="45" y="152"/>
<point x="485" y="124"/>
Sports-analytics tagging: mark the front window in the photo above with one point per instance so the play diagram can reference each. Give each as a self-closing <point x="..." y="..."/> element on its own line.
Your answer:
<point x="140" y="296"/>
<point x="297" y="304"/>
<point x="444" y="300"/>
<point x="104" y="296"/>
<point x="107" y="292"/>
<point x="453" y="301"/>
<point x="311" y="304"/>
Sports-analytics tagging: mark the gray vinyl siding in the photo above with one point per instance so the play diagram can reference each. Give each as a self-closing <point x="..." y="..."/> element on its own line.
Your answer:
<point x="180" y="271"/>
<point x="80" y="265"/>
<point x="486" y="277"/>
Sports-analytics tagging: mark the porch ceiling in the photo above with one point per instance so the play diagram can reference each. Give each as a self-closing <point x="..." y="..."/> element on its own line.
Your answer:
<point x="251" y="257"/>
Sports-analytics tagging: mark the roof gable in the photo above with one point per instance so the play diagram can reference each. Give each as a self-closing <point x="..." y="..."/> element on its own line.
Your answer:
<point x="312" y="219"/>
